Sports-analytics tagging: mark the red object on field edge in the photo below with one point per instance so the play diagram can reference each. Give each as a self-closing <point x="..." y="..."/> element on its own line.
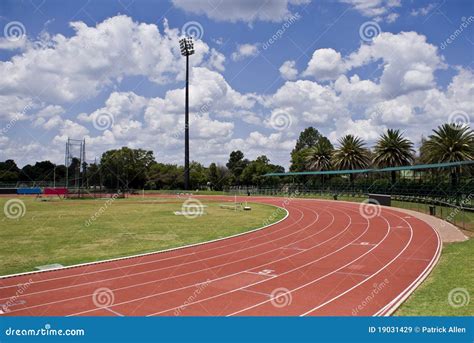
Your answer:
<point x="55" y="191"/>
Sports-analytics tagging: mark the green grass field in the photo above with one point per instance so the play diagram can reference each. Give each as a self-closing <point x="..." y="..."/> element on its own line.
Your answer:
<point x="454" y="273"/>
<point x="66" y="232"/>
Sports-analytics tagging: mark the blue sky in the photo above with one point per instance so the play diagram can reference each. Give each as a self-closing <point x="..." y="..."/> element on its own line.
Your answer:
<point x="110" y="72"/>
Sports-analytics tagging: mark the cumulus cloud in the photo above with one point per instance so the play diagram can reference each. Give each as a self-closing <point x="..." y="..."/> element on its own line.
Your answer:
<point x="409" y="61"/>
<point x="389" y="82"/>
<point x="234" y="11"/>
<point x="423" y="11"/>
<point x="288" y="70"/>
<point x="376" y="9"/>
<point x="96" y="57"/>
<point x="244" y="51"/>
<point x="325" y="64"/>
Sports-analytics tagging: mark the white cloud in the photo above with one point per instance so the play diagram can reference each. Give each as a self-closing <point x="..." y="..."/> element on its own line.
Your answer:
<point x="423" y="11"/>
<point x="215" y="61"/>
<point x="408" y="61"/>
<point x="16" y="44"/>
<point x="49" y="117"/>
<point x="288" y="70"/>
<point x="364" y="128"/>
<point x="96" y="57"/>
<point x="389" y="82"/>
<point x="325" y="64"/>
<point x="376" y="9"/>
<point x="244" y="51"/>
<point x="233" y="11"/>
<point x="392" y="17"/>
<point x="305" y="102"/>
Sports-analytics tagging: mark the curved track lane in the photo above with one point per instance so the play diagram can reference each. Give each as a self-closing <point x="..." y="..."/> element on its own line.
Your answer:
<point x="324" y="258"/>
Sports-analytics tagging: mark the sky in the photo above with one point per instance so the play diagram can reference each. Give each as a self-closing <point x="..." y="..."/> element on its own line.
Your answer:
<point x="111" y="72"/>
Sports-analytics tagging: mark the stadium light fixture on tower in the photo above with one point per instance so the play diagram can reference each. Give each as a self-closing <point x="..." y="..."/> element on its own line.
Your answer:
<point x="187" y="49"/>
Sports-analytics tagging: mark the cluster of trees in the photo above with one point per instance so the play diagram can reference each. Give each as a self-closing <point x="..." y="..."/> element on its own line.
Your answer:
<point x="127" y="168"/>
<point x="45" y="171"/>
<point x="448" y="143"/>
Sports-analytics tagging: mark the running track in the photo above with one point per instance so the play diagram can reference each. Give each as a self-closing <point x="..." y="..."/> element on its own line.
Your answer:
<point x="324" y="258"/>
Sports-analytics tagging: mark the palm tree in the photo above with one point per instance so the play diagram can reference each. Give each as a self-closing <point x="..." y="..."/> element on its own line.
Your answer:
<point x="318" y="157"/>
<point x="449" y="143"/>
<point x="351" y="154"/>
<point x="393" y="150"/>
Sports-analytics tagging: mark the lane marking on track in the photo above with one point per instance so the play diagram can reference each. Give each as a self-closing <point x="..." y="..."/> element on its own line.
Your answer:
<point x="415" y="259"/>
<point x="257" y="292"/>
<point x="255" y="273"/>
<point x="326" y="275"/>
<point x="395" y="303"/>
<point x="113" y="260"/>
<point x="113" y="311"/>
<point x="197" y="271"/>
<point x="266" y="272"/>
<point x="288" y="248"/>
<point x="355" y="274"/>
<point x="364" y="243"/>
<point x="289" y="271"/>
<point x="169" y="267"/>
<point x="369" y="277"/>
<point x="237" y="289"/>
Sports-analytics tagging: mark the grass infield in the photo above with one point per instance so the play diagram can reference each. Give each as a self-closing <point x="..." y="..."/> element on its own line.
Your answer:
<point x="77" y="231"/>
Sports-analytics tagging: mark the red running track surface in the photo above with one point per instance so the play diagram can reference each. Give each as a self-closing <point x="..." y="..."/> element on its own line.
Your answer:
<point x="325" y="258"/>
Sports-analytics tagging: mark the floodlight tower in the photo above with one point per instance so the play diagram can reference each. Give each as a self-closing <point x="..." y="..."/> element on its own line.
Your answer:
<point x="187" y="49"/>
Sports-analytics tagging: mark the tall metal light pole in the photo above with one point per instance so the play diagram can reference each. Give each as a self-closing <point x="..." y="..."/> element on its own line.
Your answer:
<point x="187" y="49"/>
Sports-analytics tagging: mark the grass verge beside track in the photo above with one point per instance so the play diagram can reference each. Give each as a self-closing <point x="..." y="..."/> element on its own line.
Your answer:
<point x="454" y="273"/>
<point x="77" y="231"/>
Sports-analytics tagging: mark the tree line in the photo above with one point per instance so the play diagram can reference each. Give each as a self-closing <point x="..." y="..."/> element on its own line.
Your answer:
<point x="448" y="143"/>
<point x="127" y="168"/>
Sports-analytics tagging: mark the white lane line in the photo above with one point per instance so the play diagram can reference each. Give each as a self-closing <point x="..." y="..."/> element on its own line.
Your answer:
<point x="397" y="301"/>
<point x="262" y="265"/>
<point x="291" y="248"/>
<point x="128" y="275"/>
<point x="324" y="276"/>
<point x="112" y="311"/>
<point x="371" y="276"/>
<point x="259" y="274"/>
<point x="289" y="271"/>
<point x="355" y="274"/>
<point x="256" y="292"/>
<point x="194" y="272"/>
<point x="119" y="259"/>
